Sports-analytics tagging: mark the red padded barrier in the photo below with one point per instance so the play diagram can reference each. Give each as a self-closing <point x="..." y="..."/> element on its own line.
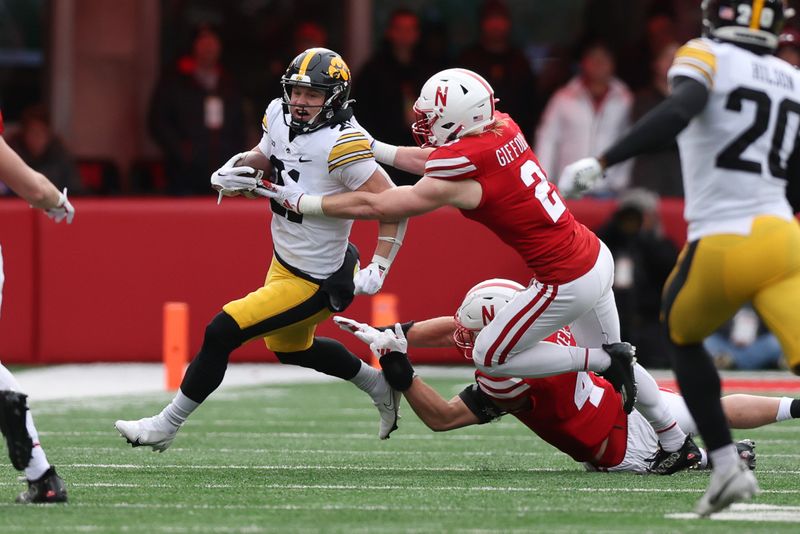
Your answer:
<point x="94" y="291"/>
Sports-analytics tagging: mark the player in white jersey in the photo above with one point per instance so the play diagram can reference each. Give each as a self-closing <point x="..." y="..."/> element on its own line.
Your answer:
<point x="16" y="422"/>
<point x="735" y="110"/>
<point x="310" y="137"/>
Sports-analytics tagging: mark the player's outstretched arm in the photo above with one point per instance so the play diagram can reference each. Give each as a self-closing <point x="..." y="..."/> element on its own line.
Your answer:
<point x="33" y="186"/>
<point x="432" y="333"/>
<point x="657" y="129"/>
<point x="437" y="413"/>
<point x="406" y="158"/>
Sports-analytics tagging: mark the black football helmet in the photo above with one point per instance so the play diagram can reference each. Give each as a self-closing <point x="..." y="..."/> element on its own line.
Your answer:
<point x="321" y="69"/>
<point x="748" y="23"/>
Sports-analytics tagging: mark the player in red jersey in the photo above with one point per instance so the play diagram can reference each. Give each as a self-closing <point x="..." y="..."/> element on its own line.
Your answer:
<point x="16" y="423"/>
<point x="481" y="164"/>
<point x="476" y="159"/>
<point x="578" y="413"/>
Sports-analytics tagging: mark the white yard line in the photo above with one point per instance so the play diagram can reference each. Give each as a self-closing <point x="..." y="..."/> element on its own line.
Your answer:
<point x="767" y="513"/>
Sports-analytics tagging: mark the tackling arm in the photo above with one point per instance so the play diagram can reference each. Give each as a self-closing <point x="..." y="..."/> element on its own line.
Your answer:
<point x="406" y="158"/>
<point x="33" y="186"/>
<point x="437" y="413"/>
<point x="659" y="127"/>
<point x="436" y="332"/>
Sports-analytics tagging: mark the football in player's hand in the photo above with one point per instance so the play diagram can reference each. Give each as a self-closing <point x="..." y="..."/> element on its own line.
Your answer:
<point x="261" y="164"/>
<point x="258" y="161"/>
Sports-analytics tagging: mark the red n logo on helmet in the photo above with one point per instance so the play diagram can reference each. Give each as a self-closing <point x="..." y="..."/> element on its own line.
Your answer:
<point x="487" y="314"/>
<point x="440" y="95"/>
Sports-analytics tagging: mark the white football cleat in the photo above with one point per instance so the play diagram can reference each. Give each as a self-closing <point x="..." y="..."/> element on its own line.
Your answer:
<point x="388" y="404"/>
<point x="736" y="484"/>
<point x="148" y="432"/>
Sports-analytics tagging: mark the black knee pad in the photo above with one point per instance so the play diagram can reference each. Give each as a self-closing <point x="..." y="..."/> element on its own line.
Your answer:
<point x="223" y="333"/>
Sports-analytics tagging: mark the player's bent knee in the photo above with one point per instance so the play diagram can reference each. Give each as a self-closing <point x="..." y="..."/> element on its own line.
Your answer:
<point x="223" y="333"/>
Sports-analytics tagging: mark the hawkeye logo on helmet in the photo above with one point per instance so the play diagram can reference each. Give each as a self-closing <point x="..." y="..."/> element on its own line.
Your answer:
<point x="440" y="95"/>
<point x="338" y="69"/>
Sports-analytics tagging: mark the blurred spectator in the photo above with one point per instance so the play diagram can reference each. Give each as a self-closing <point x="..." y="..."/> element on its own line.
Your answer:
<point x="659" y="32"/>
<point x="196" y="117"/>
<point x="43" y="151"/>
<point x="504" y="65"/>
<point x="789" y="46"/>
<point x="389" y="84"/>
<point x="744" y="342"/>
<point x="657" y="171"/>
<point x="643" y="258"/>
<point x="585" y="117"/>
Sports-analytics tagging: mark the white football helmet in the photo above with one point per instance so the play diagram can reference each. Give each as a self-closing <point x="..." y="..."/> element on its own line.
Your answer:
<point x="479" y="307"/>
<point x="451" y="104"/>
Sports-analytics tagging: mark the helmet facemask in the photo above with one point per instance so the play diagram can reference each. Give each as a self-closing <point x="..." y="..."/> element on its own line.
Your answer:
<point x="324" y="112"/>
<point x="323" y="70"/>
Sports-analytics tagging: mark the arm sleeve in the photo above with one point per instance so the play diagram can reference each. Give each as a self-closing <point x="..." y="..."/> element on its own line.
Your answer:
<point x="447" y="164"/>
<point x="659" y="127"/>
<point x="479" y="404"/>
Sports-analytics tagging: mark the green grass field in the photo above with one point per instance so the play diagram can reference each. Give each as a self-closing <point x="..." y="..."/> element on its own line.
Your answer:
<point x="306" y="458"/>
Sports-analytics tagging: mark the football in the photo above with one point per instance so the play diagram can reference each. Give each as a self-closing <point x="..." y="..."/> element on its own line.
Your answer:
<point x="261" y="164"/>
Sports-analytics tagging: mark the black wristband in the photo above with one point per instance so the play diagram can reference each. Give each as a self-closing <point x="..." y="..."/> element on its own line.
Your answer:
<point x="479" y="404"/>
<point x="404" y="326"/>
<point x="397" y="370"/>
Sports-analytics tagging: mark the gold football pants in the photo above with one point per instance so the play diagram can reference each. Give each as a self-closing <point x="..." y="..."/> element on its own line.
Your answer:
<point x="285" y="311"/>
<point x="717" y="274"/>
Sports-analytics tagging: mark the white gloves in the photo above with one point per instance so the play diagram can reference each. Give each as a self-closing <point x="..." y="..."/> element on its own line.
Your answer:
<point x="62" y="210"/>
<point x="287" y="195"/>
<point x="380" y="342"/>
<point x="579" y="177"/>
<point x="369" y="280"/>
<point x="232" y="181"/>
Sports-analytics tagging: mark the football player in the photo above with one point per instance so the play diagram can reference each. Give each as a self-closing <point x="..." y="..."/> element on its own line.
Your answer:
<point x="735" y="110"/>
<point x="578" y="413"/>
<point x="476" y="159"/>
<point x="311" y="137"/>
<point x="16" y="422"/>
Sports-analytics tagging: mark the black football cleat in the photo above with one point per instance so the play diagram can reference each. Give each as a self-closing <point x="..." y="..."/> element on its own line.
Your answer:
<point x="747" y="452"/>
<point x="49" y="488"/>
<point x="667" y="463"/>
<point x="13" y="411"/>
<point x="620" y="372"/>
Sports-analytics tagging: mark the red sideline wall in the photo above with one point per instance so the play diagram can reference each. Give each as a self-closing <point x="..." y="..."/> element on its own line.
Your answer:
<point x="94" y="290"/>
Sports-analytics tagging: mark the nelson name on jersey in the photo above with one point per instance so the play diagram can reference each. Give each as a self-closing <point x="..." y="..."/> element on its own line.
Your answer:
<point x="511" y="150"/>
<point x="773" y="76"/>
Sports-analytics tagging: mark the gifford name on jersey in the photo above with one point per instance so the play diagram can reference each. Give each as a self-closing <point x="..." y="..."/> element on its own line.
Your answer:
<point x="511" y="150"/>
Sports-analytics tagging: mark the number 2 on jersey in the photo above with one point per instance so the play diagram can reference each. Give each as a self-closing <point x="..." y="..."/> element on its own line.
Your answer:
<point x="531" y="174"/>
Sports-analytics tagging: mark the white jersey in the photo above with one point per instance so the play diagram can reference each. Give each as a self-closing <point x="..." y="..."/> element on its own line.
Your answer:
<point x="734" y="153"/>
<point x="326" y="161"/>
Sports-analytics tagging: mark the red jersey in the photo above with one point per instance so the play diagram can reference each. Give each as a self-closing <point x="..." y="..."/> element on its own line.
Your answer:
<point x="518" y="204"/>
<point x="578" y="413"/>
